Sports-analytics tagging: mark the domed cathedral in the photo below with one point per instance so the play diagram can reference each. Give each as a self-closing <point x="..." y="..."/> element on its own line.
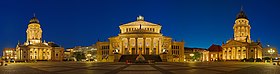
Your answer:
<point x="241" y="46"/>
<point x="34" y="48"/>
<point x="140" y="39"/>
<point x="34" y="32"/>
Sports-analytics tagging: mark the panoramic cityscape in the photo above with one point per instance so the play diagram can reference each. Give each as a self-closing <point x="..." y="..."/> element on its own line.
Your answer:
<point x="161" y="37"/>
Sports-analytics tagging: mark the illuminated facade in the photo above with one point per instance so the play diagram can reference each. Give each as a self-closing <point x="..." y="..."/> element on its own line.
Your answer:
<point x="88" y="51"/>
<point x="140" y="38"/>
<point x="9" y="53"/>
<point x="241" y="46"/>
<point x="270" y="52"/>
<point x="34" y="48"/>
<point x="190" y="53"/>
<point x="215" y="52"/>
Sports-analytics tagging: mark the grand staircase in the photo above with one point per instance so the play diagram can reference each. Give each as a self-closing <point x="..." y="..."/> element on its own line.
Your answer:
<point x="132" y="58"/>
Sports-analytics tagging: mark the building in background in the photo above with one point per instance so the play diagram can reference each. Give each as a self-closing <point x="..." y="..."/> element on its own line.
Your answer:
<point x="34" y="48"/>
<point x="80" y="53"/>
<point x="140" y="38"/>
<point x="215" y="52"/>
<point x="196" y="54"/>
<point x="9" y="53"/>
<point x="67" y="56"/>
<point x="89" y="52"/>
<point x="269" y="52"/>
<point x="241" y="46"/>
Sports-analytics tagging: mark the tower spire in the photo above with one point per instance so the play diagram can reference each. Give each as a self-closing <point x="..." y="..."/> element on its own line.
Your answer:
<point x="34" y="15"/>
<point x="18" y="42"/>
<point x="241" y="8"/>
<point x="241" y="14"/>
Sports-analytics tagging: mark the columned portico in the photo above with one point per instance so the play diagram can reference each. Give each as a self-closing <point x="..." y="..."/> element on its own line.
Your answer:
<point x="241" y="46"/>
<point x="141" y="38"/>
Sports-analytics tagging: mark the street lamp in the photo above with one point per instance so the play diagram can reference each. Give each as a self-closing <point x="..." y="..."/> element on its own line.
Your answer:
<point x="271" y="52"/>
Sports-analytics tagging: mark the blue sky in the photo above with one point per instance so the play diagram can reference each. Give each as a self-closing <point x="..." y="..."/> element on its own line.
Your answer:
<point x="199" y="23"/>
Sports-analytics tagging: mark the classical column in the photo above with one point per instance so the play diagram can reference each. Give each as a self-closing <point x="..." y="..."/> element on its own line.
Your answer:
<point x="136" y="45"/>
<point x="152" y="45"/>
<point x="128" y="45"/>
<point x="232" y="53"/>
<point x="241" y="53"/>
<point x="255" y="52"/>
<point x="144" y="48"/>
<point x="36" y="53"/>
<point x="39" y="55"/>
<point x="159" y="46"/>
<point x="235" y="53"/>
<point x="223" y="54"/>
<point x="227" y="57"/>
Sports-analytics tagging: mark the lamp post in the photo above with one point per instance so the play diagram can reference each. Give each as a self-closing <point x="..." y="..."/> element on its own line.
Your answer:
<point x="271" y="52"/>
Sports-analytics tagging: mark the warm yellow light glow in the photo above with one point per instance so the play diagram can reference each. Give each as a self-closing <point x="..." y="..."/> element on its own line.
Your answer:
<point x="89" y="55"/>
<point x="191" y="55"/>
<point x="271" y="51"/>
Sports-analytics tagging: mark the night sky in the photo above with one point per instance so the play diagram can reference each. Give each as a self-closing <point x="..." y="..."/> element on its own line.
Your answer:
<point x="200" y="23"/>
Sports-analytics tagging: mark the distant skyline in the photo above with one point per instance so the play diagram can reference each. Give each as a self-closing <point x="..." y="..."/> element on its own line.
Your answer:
<point x="200" y="23"/>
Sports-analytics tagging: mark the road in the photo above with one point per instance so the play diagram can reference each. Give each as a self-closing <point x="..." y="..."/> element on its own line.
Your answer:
<point x="122" y="68"/>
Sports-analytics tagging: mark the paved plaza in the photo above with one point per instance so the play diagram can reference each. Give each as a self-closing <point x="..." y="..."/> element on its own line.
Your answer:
<point x="122" y="68"/>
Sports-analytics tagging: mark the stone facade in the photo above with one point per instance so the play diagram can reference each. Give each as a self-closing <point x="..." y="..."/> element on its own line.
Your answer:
<point x="140" y="38"/>
<point x="215" y="52"/>
<point x="266" y="52"/>
<point x="9" y="53"/>
<point x="190" y="52"/>
<point x="34" y="48"/>
<point x="241" y="46"/>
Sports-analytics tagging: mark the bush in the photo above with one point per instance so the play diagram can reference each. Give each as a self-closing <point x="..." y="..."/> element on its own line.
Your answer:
<point x="258" y="60"/>
<point x="251" y="60"/>
<point x="244" y="59"/>
<point x="266" y="58"/>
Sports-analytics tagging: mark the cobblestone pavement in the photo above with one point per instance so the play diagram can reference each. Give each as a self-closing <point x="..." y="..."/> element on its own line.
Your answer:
<point x="122" y="68"/>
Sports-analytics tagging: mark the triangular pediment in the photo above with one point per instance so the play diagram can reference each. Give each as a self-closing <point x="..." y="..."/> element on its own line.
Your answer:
<point x="231" y="43"/>
<point x="137" y="23"/>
